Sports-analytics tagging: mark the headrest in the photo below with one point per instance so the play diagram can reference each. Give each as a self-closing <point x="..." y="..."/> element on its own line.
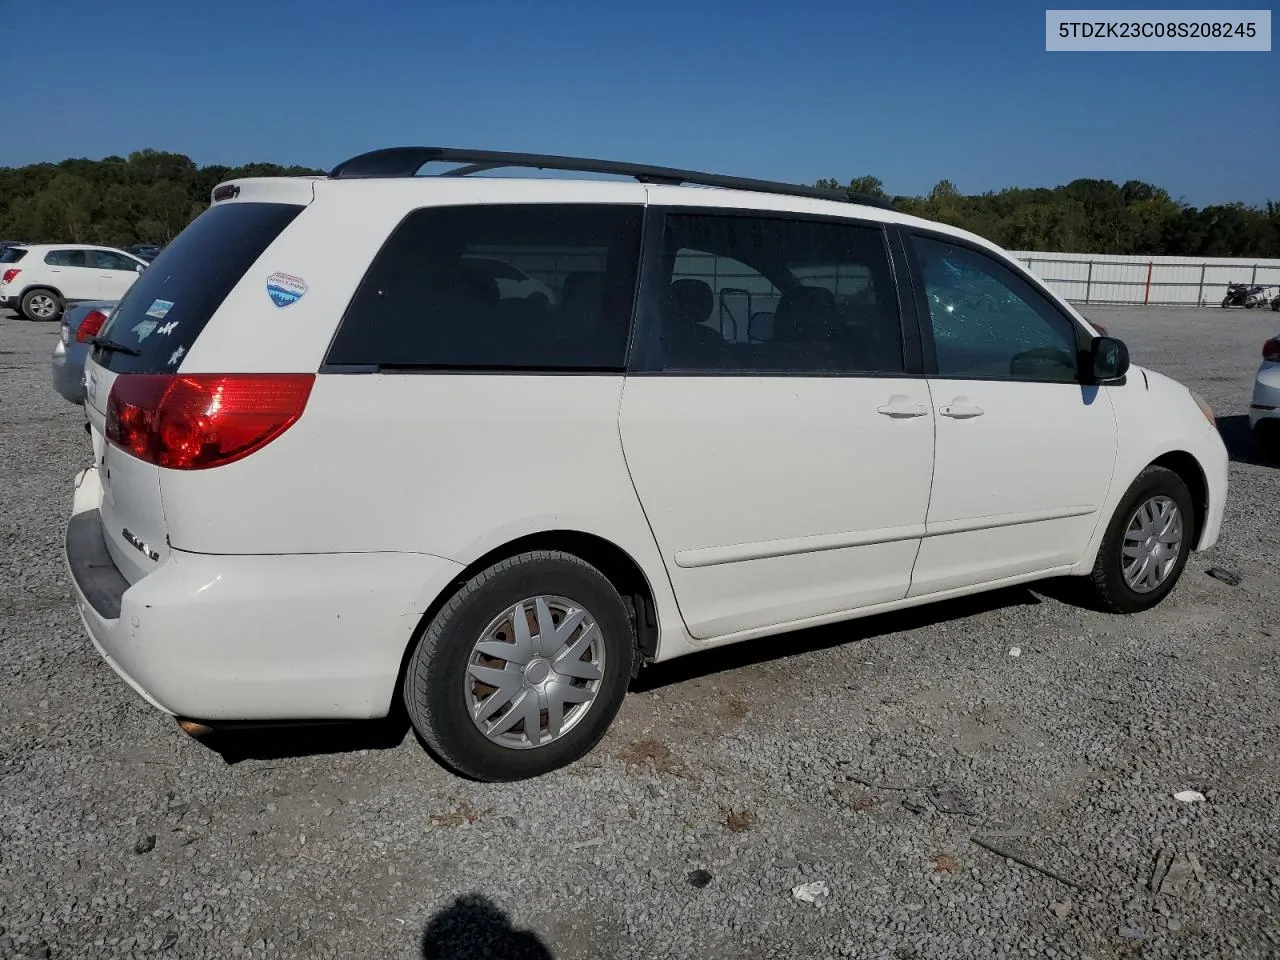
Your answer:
<point x="691" y="300"/>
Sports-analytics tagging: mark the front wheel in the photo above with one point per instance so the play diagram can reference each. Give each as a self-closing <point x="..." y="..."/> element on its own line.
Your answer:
<point x="1226" y="302"/>
<point x="1146" y="545"/>
<point x="523" y="670"/>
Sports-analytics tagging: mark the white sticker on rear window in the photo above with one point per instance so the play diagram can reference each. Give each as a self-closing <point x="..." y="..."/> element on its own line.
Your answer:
<point x="159" y="308"/>
<point x="176" y="355"/>
<point x="144" y="329"/>
<point x="284" y="289"/>
<point x="168" y="328"/>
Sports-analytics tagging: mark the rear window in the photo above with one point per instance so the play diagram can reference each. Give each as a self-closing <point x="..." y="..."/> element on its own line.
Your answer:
<point x="498" y="287"/>
<point x="12" y="254"/>
<point x="168" y="306"/>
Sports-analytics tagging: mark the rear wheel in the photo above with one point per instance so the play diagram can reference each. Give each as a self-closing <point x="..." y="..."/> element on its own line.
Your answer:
<point x="41" y="305"/>
<point x="523" y="670"/>
<point x="1146" y="545"/>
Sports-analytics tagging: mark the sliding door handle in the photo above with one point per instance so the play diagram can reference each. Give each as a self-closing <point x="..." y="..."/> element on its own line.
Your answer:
<point x="901" y="408"/>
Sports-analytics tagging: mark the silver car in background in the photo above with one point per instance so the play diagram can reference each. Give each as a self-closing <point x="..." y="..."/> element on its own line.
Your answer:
<point x="1264" y="410"/>
<point x="80" y="323"/>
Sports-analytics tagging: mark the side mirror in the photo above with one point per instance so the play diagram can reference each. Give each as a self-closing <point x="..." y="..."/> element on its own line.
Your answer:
<point x="1109" y="358"/>
<point x="140" y="267"/>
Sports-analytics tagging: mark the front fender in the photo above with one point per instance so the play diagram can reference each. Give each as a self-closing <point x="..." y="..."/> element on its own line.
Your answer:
<point x="1157" y="417"/>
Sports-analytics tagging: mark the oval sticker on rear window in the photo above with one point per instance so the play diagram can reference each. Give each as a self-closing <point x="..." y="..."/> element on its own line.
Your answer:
<point x="284" y="289"/>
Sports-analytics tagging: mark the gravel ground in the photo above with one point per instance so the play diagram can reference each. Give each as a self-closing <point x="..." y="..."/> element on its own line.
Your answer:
<point x="829" y="755"/>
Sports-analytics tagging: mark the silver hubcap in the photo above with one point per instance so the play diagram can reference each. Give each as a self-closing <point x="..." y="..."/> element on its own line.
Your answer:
<point x="1152" y="543"/>
<point x="42" y="306"/>
<point x="534" y="672"/>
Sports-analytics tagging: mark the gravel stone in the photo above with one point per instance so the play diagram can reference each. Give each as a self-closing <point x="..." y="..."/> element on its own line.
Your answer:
<point x="1070" y="754"/>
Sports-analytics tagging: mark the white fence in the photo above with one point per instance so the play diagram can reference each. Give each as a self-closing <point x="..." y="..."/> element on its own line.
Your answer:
<point x="1107" y="278"/>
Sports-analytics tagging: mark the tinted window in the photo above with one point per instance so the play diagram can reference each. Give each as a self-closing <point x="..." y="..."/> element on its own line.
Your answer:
<point x="12" y="254"/>
<point x="108" y="260"/>
<point x="988" y="322"/>
<point x="168" y="306"/>
<point x="428" y="301"/>
<point x="493" y="268"/>
<point x="67" y="258"/>
<point x="775" y="295"/>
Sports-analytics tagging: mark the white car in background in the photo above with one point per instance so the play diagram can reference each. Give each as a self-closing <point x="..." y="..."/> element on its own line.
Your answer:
<point x="38" y="280"/>
<point x="1264" y="411"/>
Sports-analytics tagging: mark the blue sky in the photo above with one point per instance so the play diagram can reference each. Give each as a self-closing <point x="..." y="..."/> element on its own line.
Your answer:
<point x="910" y="92"/>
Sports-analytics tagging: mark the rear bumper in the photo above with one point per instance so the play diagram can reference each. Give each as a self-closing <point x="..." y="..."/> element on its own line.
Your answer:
<point x="1265" y="404"/>
<point x="285" y="637"/>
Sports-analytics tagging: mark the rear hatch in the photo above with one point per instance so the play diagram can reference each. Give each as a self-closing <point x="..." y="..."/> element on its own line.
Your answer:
<point x="152" y="329"/>
<point x="10" y="257"/>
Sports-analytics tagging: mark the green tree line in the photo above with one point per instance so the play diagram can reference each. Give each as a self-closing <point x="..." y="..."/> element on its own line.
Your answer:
<point x="147" y="197"/>
<point x="1094" y="216"/>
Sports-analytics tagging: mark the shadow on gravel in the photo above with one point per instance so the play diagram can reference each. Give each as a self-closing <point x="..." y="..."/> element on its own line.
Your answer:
<point x="250" y="742"/>
<point x="1239" y="441"/>
<point x="750" y="652"/>
<point x="473" y="926"/>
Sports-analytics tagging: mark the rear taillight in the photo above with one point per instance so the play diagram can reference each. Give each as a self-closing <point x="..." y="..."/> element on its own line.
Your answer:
<point x="90" y="326"/>
<point x="201" y="420"/>
<point x="1271" y="350"/>
<point x="10" y="276"/>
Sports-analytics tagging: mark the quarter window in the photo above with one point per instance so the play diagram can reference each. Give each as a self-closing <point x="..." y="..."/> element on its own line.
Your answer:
<point x="499" y="286"/>
<point x="990" y="323"/>
<point x="773" y="295"/>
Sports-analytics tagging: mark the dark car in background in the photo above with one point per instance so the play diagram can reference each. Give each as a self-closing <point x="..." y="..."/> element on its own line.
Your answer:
<point x="81" y="322"/>
<point x="147" y="251"/>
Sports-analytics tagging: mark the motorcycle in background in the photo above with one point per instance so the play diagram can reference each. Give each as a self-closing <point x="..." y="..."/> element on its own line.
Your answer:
<point x="1248" y="295"/>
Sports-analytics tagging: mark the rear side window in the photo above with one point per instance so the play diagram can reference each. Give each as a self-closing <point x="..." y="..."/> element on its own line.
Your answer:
<point x="498" y="287"/>
<point x="12" y="254"/>
<point x="67" y="258"/>
<point x="168" y="306"/>
<point x="110" y="260"/>
<point x="772" y="295"/>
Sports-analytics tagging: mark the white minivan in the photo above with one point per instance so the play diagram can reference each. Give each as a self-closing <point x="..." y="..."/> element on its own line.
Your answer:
<point x="335" y="465"/>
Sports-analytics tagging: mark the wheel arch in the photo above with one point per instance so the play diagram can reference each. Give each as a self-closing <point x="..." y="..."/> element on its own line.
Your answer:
<point x="615" y="563"/>
<point x="1188" y="468"/>
<point x="30" y="288"/>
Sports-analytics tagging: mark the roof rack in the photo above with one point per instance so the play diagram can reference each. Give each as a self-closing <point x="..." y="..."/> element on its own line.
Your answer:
<point x="407" y="161"/>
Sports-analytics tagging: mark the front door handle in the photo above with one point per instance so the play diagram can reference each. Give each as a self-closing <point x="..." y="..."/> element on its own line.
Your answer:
<point x="961" y="409"/>
<point x="901" y="408"/>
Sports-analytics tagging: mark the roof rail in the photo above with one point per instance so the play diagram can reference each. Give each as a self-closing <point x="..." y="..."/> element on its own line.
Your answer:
<point x="407" y="161"/>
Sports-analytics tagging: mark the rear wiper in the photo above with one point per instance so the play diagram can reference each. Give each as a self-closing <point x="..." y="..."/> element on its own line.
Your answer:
<point x="105" y="344"/>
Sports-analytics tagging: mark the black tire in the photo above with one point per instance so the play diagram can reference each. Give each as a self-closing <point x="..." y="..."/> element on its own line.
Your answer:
<point x="1275" y="304"/>
<point x="1265" y="440"/>
<point x="31" y="297"/>
<point x="1226" y="302"/>
<point x="1109" y="588"/>
<point x="434" y="684"/>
